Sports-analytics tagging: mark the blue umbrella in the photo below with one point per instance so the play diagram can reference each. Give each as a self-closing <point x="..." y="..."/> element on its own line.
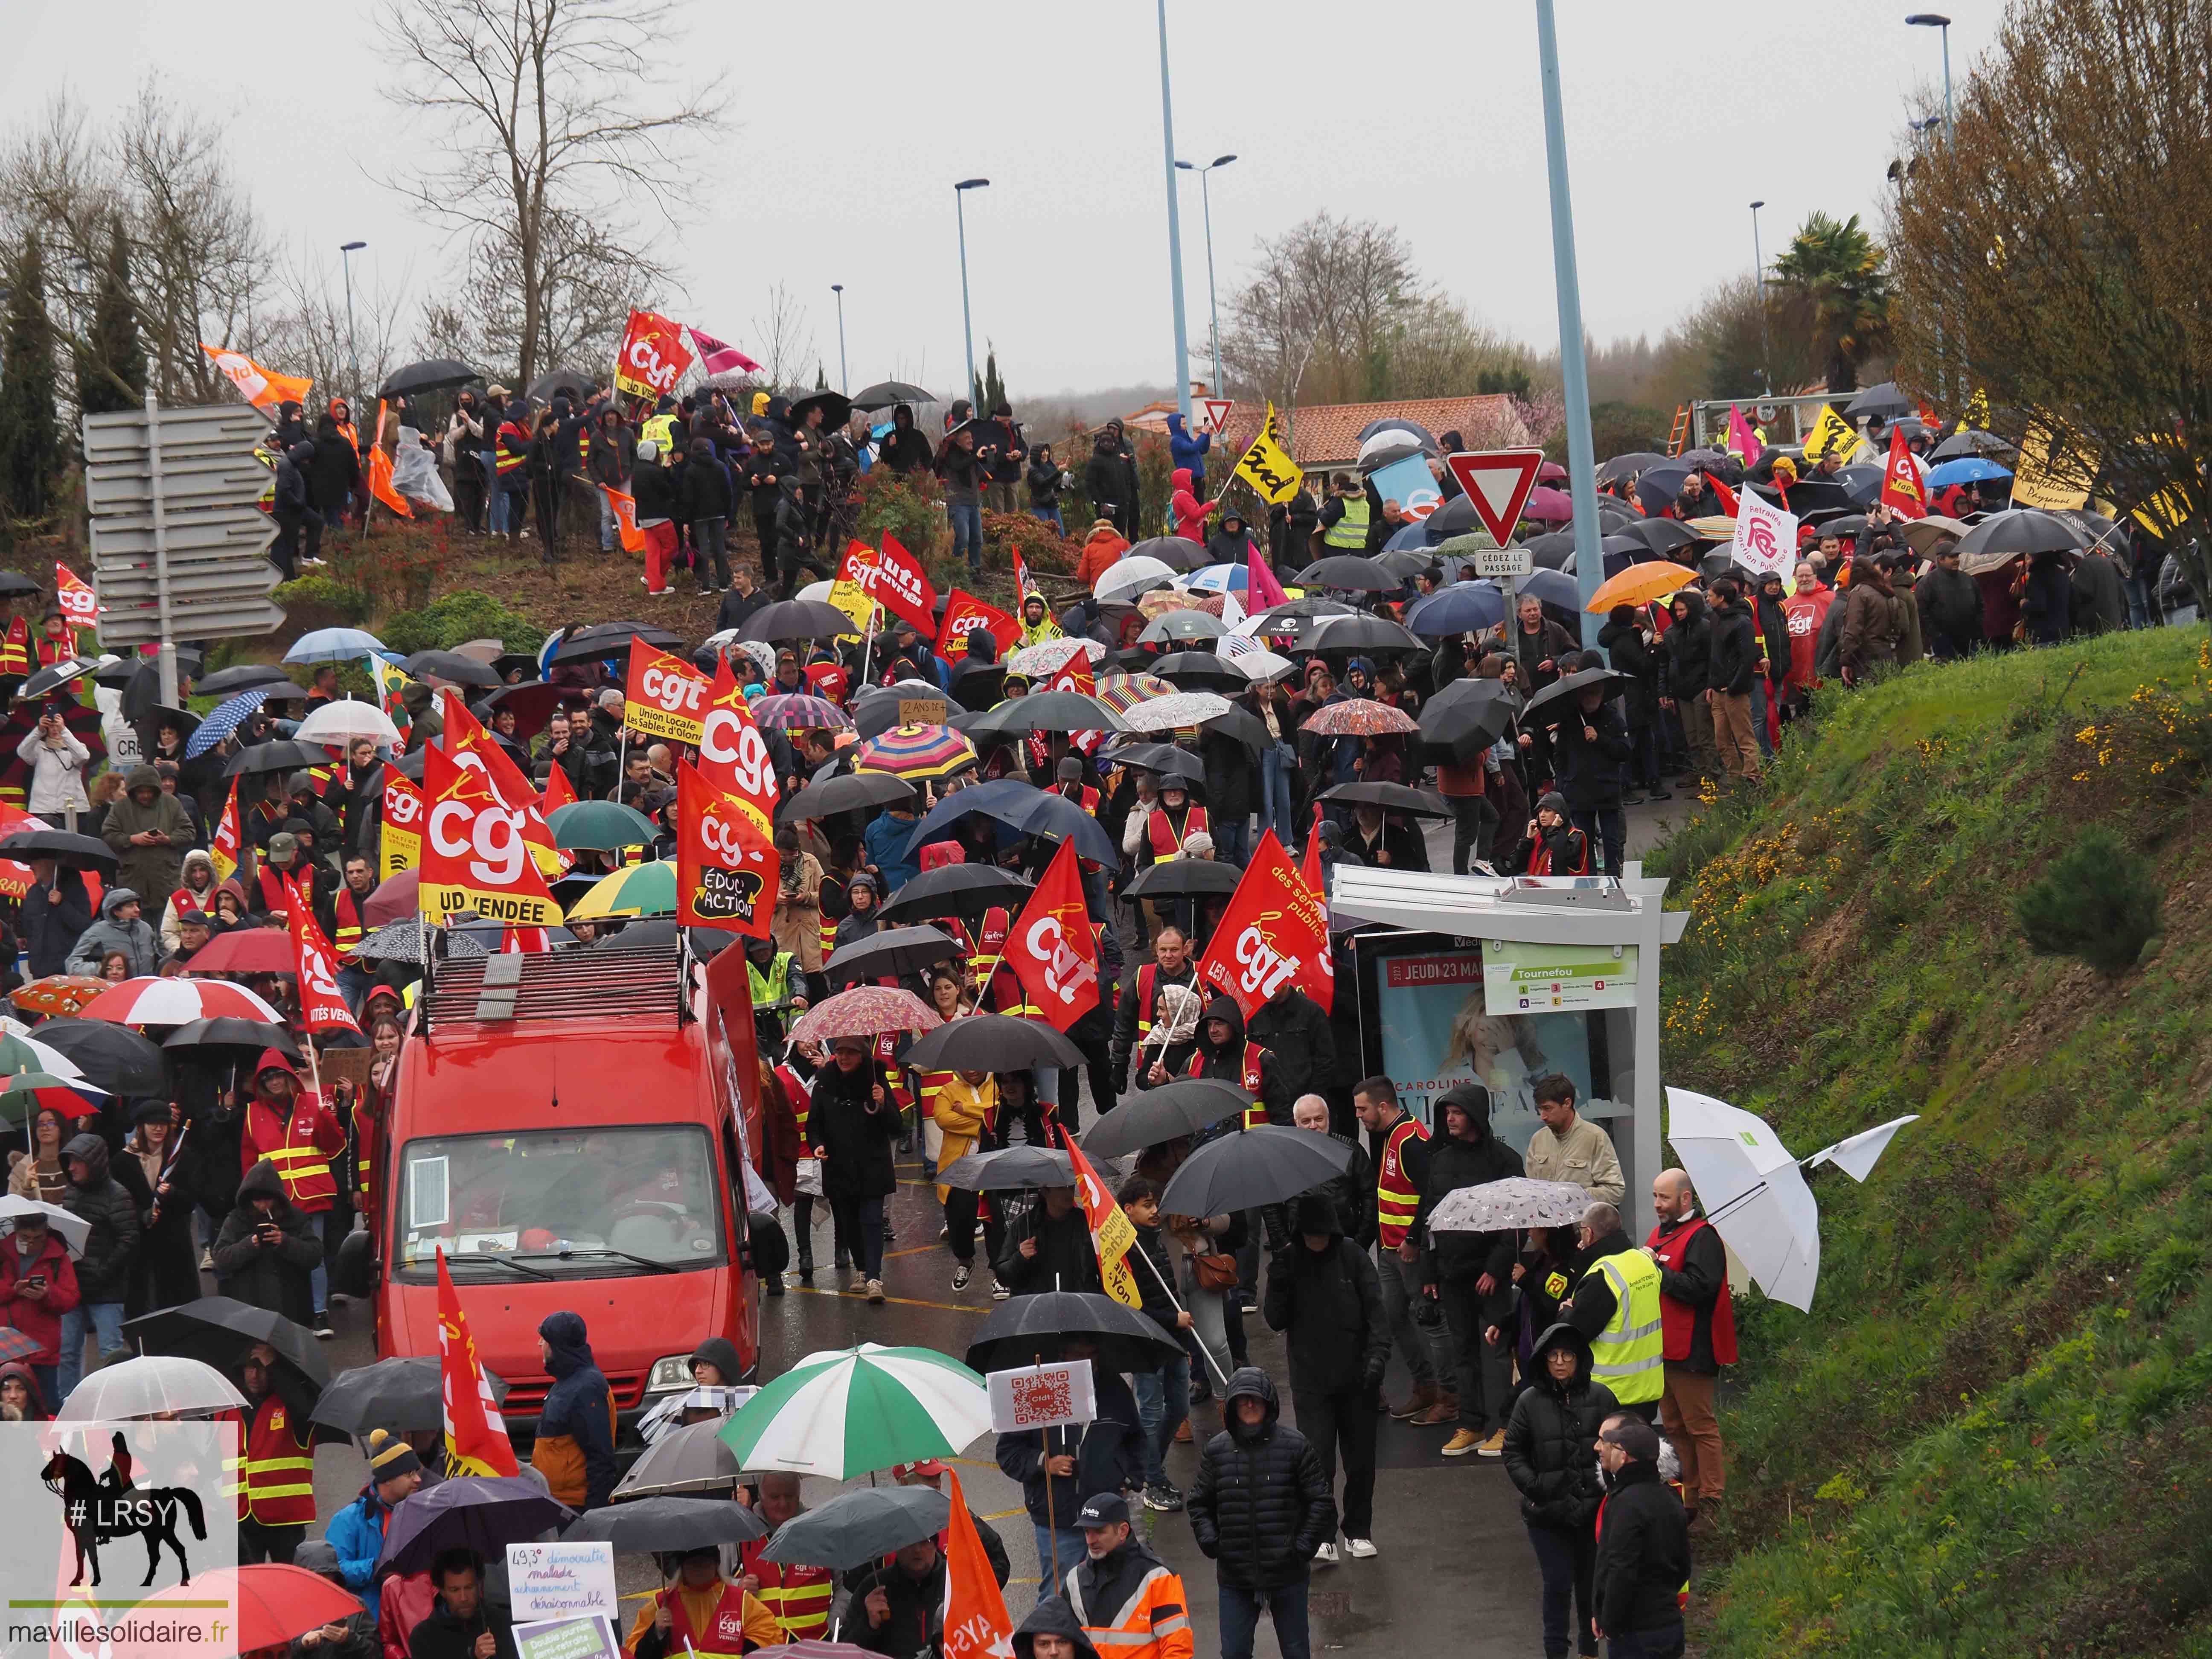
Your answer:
<point x="1462" y="608"/>
<point x="1053" y="814"/>
<point x="992" y="800"/>
<point x="1410" y="538"/>
<point x="1219" y="579"/>
<point x="226" y="719"/>
<point x="1967" y="469"/>
<point x="1554" y="587"/>
<point x="333" y="645"/>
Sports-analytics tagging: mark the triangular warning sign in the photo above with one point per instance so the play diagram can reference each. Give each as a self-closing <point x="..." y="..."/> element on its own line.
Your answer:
<point x="1498" y="481"/>
<point x="1217" y="414"/>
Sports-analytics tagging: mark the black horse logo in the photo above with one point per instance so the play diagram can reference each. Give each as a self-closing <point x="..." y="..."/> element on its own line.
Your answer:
<point x="97" y="1511"/>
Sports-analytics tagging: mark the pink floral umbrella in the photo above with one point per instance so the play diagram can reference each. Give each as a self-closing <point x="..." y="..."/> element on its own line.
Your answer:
<point x="1359" y="717"/>
<point x="865" y="1011"/>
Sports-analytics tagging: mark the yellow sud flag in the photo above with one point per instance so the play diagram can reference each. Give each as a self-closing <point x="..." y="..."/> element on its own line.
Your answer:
<point x="1831" y="431"/>
<point x="1112" y="1234"/>
<point x="1268" y="466"/>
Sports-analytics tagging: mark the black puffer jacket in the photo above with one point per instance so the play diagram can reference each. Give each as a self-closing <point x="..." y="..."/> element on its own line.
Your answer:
<point x="1689" y="648"/>
<point x="1642" y="1553"/>
<point x="277" y="1276"/>
<point x="1227" y="1063"/>
<point x="103" y="1272"/>
<point x="1735" y="649"/>
<point x="1550" y="1440"/>
<point x="1261" y="1506"/>
<point x="1294" y="1027"/>
<point x="1453" y="1163"/>
<point x="1623" y="640"/>
<point x="1330" y="1305"/>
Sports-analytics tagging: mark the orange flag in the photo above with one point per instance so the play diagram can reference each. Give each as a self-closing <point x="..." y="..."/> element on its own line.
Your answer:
<point x="264" y="388"/>
<point x="625" y="506"/>
<point x="475" y="1434"/>
<point x="380" y="471"/>
<point x="976" y="1624"/>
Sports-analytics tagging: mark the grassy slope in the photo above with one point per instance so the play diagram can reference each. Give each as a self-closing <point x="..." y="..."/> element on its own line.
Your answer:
<point x="1991" y="1435"/>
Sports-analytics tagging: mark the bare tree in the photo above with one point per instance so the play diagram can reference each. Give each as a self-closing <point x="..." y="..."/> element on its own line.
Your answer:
<point x="307" y="329"/>
<point x="560" y="125"/>
<point x="783" y="342"/>
<point x="1320" y="311"/>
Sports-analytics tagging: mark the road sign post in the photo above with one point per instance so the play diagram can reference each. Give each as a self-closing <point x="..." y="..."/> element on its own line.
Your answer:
<point x="1503" y="563"/>
<point x="1498" y="482"/>
<point x="1217" y="410"/>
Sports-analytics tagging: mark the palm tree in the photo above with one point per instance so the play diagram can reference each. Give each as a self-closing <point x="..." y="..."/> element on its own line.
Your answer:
<point x="1839" y="268"/>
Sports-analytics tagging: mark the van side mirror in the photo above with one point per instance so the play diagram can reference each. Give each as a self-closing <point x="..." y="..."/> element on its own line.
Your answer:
<point x="354" y="1272"/>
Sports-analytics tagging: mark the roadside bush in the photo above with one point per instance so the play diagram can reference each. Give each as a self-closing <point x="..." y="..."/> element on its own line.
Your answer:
<point x="463" y="615"/>
<point x="2097" y="901"/>
<point x="911" y="508"/>
<point x="322" y="601"/>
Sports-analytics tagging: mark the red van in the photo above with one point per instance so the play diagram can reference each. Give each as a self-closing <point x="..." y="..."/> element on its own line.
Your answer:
<point x="572" y="1127"/>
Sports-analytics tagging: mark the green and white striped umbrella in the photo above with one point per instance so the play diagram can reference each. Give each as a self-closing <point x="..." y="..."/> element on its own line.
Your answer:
<point x="847" y="1412"/>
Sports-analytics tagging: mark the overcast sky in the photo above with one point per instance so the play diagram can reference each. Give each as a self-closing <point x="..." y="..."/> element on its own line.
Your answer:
<point x="853" y="120"/>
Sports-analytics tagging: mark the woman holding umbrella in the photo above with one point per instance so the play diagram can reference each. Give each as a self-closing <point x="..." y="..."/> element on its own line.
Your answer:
<point x="39" y="1173"/>
<point x="853" y="1123"/>
<point x="163" y="1273"/>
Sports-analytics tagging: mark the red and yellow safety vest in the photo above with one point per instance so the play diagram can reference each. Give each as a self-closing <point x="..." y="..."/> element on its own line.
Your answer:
<point x="1677" y="1321"/>
<point x="724" y="1637"/>
<point x="1249" y="1079"/>
<point x="345" y="911"/>
<point x="300" y="1147"/>
<point x="278" y="1487"/>
<point x="1166" y="839"/>
<point x="1397" y="1201"/>
<point x="798" y="1597"/>
<point x="15" y="651"/>
<point x="1086" y="797"/>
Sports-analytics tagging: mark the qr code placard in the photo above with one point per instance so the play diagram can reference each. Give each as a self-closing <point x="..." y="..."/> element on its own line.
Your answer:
<point x="1041" y="1396"/>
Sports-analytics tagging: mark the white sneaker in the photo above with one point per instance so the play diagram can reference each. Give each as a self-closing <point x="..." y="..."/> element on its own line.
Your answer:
<point x="1361" y="1549"/>
<point x="1325" y="1556"/>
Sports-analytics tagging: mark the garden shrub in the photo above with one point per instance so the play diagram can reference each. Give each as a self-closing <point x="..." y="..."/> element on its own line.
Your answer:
<point x="2097" y="901"/>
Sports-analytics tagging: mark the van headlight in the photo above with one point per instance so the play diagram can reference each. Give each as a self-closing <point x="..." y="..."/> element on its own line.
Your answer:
<point x="669" y="1375"/>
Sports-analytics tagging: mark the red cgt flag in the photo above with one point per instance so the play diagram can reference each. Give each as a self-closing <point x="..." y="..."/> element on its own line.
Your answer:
<point x="727" y="870"/>
<point x="76" y="597"/>
<point x="475" y="850"/>
<point x="1052" y="949"/>
<point x="733" y="757"/>
<point x="893" y="579"/>
<point x="321" y="1006"/>
<point x="1321" y="985"/>
<point x="963" y="614"/>
<point x="1272" y="932"/>
<point x="471" y="745"/>
<point x="475" y="1434"/>
<point x="1902" y="486"/>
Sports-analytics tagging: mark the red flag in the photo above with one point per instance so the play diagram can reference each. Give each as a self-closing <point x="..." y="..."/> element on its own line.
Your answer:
<point x="1321" y="983"/>
<point x="977" y="1623"/>
<point x="733" y="757"/>
<point x="400" y="839"/>
<point x="320" y="1004"/>
<point x="1076" y="676"/>
<point x="1271" y="932"/>
<point x="1112" y="1232"/>
<point x="560" y="790"/>
<point x="893" y="578"/>
<point x="665" y="696"/>
<point x="76" y="597"/>
<point x="470" y="744"/>
<point x="475" y="1434"/>
<point x="1052" y="949"/>
<point x="223" y="847"/>
<point x="963" y="613"/>
<point x="1022" y="585"/>
<point x="1262" y="590"/>
<point x="1902" y="486"/>
<point x="475" y="855"/>
<point x="727" y="870"/>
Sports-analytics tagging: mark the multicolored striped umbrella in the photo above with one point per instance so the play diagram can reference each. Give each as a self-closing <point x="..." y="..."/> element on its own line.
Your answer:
<point x="850" y="1412"/>
<point x="865" y="1011"/>
<point x="27" y="1091"/>
<point x="641" y="889"/>
<point x="799" y="711"/>
<point x="915" y="751"/>
<point x="1122" y="692"/>
<point x="1359" y="717"/>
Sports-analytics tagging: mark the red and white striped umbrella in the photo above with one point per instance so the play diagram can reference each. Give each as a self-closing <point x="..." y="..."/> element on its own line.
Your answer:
<point x="177" y="1001"/>
<point x="864" y="1010"/>
<point x="1359" y="717"/>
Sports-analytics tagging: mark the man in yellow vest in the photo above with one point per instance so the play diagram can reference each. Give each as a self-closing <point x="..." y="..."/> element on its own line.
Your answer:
<point x="1344" y="516"/>
<point x="1616" y="1306"/>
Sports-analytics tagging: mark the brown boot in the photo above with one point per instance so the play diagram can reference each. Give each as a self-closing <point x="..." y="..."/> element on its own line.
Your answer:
<point x="1446" y="1410"/>
<point x="1423" y="1396"/>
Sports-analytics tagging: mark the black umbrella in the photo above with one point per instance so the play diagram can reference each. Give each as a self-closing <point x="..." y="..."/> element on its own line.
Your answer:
<point x="796" y="619"/>
<point x="1011" y="1169"/>
<point x="848" y="791"/>
<point x="1348" y="573"/>
<point x="453" y="667"/>
<point x="957" y="890"/>
<point x="1391" y="798"/>
<point x="431" y="374"/>
<point x="1881" y="401"/>
<point x="546" y="388"/>
<point x="2028" y="529"/>
<point x="1008" y="800"/>
<point x="857" y="1528"/>
<point x="1165" y="758"/>
<point x="1468" y="724"/>
<point x="1045" y="711"/>
<point x="1029" y="1329"/>
<point x="1628" y="465"/>
<point x="611" y="641"/>
<point x="651" y="1526"/>
<point x="1862" y="483"/>
<point x="1973" y="441"/>
<point x="1564" y="688"/>
<point x="1809" y="494"/>
<point x="1201" y="671"/>
<point x="1182" y="1107"/>
<point x="690" y="1459"/>
<point x="228" y="1038"/>
<point x="112" y="1057"/>
<point x="889" y="951"/>
<point x="884" y="394"/>
<point x="14" y="584"/>
<point x="836" y="408"/>
<point x="1362" y="633"/>
<point x="1176" y="552"/>
<point x="150" y="722"/>
<point x="55" y="676"/>
<point x="228" y="681"/>
<point x="1061" y="819"/>
<point x="284" y="756"/>
<point x="646" y="933"/>
<point x="484" y="1513"/>
<point x="1265" y="1165"/>
<point x="1660" y="536"/>
<point x="216" y="1329"/>
<point x="399" y="1395"/>
<point x="1184" y="879"/>
<point x="875" y="711"/>
<point x="991" y="1042"/>
<point x="70" y="852"/>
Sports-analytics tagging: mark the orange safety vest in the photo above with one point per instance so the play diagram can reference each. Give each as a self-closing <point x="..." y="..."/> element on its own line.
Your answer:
<point x="292" y="1146"/>
<point x="1677" y="1321"/>
<point x="278" y="1489"/>
<point x="1154" y="1623"/>
<point x="1397" y="1201"/>
<point x="1256" y="1114"/>
<point x="1167" y="840"/>
<point x="799" y="1596"/>
<point x="345" y="910"/>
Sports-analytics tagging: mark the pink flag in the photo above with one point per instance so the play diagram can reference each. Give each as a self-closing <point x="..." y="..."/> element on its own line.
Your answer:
<point x="717" y="358"/>
<point x="1741" y="440"/>
<point x="1262" y="590"/>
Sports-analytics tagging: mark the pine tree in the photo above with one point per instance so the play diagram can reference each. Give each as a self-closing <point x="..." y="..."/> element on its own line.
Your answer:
<point x="989" y="391"/>
<point x="821" y="380"/>
<point x="110" y="370"/>
<point x="30" y="439"/>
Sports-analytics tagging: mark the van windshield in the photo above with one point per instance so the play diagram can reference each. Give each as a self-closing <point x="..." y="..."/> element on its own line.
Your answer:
<point x="563" y="1204"/>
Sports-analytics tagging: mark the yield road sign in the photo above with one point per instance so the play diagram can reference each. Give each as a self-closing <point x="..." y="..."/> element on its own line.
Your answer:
<point x="1504" y="561"/>
<point x="1498" y="481"/>
<point x="1217" y="410"/>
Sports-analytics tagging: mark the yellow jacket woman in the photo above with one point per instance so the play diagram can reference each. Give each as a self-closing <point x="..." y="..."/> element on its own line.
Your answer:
<point x="966" y="1107"/>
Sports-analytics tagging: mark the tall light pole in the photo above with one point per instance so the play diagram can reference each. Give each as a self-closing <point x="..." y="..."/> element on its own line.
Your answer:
<point x="967" y="322"/>
<point x="1582" y="464"/>
<point x="1759" y="270"/>
<point x="844" y="378"/>
<point x="1175" y="229"/>
<point x="1936" y="19"/>
<point x="1213" y="303"/>
<point x="346" y="251"/>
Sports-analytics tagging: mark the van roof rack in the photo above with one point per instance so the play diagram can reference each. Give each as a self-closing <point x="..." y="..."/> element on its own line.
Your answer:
<point x="599" y="983"/>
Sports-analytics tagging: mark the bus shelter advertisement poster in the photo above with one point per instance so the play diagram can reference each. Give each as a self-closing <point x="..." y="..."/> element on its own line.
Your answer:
<point x="117" y="1541"/>
<point x="1438" y="1033"/>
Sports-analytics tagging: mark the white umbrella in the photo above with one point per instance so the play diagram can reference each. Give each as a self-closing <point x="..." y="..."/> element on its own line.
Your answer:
<point x="74" y="1232"/>
<point x="1752" y="1190"/>
<point x="1516" y="1202"/>
<point x="152" y="1382"/>
<point x="1127" y="578"/>
<point x="1259" y="664"/>
<point x="1184" y="708"/>
<point x="1857" y="1154"/>
<point x="340" y="722"/>
<point x="815" y="591"/>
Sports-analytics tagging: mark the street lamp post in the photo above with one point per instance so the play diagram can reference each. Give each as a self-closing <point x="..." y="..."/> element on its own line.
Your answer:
<point x="1213" y="302"/>
<point x="844" y="377"/>
<point x="1175" y="229"/>
<point x="1759" y="270"/>
<point x="967" y="322"/>
<point x="1936" y="20"/>
<point x="1582" y="464"/>
<point x="346" y="251"/>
